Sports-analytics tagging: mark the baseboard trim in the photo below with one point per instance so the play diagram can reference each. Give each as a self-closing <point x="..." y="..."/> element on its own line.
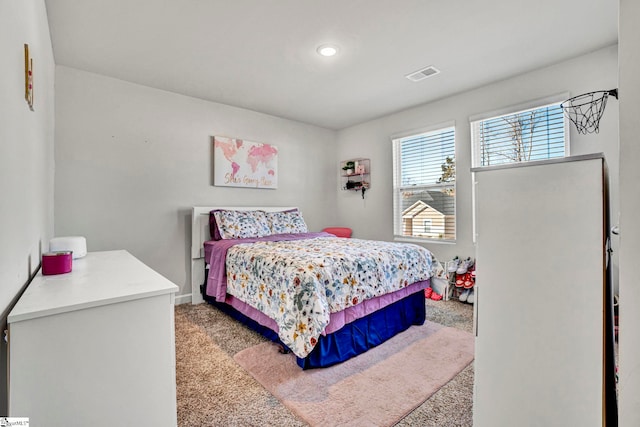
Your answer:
<point x="183" y="299"/>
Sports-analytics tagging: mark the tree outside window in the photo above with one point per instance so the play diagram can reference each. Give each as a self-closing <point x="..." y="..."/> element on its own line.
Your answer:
<point x="534" y="134"/>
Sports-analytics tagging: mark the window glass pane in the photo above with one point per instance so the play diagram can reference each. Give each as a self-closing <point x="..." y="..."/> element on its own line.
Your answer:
<point x="535" y="134"/>
<point x="434" y="206"/>
<point x="424" y="188"/>
<point x="424" y="155"/>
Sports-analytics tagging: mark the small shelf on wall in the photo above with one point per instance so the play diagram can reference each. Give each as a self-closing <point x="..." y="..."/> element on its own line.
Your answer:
<point x="355" y="175"/>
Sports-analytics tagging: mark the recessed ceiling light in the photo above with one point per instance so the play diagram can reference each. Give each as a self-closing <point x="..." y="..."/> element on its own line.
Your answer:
<point x="327" y="49"/>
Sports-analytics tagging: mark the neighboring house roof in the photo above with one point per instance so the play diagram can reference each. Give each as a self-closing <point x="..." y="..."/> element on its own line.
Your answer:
<point x="434" y="199"/>
<point x="415" y="209"/>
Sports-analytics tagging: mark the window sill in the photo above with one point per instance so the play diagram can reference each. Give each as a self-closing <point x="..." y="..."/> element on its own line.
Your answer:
<point x="422" y="240"/>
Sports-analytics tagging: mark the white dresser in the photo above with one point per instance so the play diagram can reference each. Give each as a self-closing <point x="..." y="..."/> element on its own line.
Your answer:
<point x="95" y="347"/>
<point x="544" y="346"/>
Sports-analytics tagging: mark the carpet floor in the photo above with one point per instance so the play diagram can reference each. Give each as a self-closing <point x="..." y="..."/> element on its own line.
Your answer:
<point x="214" y="390"/>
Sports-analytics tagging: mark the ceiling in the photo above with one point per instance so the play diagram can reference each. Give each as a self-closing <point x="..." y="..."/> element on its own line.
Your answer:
<point x="261" y="54"/>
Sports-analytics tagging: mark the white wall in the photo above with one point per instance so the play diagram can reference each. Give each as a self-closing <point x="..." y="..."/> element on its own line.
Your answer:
<point x="629" y="68"/>
<point x="372" y="218"/>
<point x="132" y="160"/>
<point x="26" y="153"/>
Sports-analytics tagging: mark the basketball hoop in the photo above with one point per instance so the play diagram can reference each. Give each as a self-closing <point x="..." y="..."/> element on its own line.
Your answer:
<point x="586" y="110"/>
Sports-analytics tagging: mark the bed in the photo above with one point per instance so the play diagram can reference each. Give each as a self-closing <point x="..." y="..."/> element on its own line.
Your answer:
<point x="323" y="297"/>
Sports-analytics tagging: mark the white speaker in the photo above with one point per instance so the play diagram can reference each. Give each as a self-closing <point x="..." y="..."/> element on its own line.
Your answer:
<point x="75" y="244"/>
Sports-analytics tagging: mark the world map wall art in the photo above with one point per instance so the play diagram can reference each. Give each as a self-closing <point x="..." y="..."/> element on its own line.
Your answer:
<point x="240" y="163"/>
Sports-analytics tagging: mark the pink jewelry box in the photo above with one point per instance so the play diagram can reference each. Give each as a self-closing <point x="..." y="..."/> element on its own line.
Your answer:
<point x="56" y="262"/>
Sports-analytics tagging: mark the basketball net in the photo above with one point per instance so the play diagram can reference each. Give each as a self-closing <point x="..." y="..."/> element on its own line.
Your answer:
<point x="586" y="110"/>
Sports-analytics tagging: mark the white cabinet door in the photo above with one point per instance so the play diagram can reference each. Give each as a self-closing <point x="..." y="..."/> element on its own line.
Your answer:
<point x="540" y="284"/>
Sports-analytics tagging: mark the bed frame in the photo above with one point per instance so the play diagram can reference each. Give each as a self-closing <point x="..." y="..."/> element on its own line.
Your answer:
<point x="200" y="233"/>
<point x="352" y="339"/>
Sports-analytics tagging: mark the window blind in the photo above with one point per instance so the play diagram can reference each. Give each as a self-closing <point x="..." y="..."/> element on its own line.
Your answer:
<point x="424" y="185"/>
<point x="534" y="134"/>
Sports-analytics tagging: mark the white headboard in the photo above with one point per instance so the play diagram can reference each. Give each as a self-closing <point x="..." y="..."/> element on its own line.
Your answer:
<point x="200" y="233"/>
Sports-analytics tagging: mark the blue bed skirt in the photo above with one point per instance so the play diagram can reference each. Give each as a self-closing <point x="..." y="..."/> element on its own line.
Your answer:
<point x="352" y="339"/>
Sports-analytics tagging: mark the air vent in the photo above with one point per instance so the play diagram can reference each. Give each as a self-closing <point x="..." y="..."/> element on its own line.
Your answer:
<point x="422" y="74"/>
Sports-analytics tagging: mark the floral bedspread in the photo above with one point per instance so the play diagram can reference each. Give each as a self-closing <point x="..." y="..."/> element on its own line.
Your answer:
<point x="299" y="283"/>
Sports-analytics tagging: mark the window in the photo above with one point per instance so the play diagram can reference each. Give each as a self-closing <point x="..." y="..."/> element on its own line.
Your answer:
<point x="424" y="192"/>
<point x="534" y="134"/>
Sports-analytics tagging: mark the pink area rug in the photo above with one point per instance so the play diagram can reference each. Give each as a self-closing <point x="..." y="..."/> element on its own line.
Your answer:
<point x="377" y="388"/>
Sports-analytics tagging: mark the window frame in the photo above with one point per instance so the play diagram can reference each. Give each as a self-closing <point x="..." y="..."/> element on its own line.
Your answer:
<point x="396" y="190"/>
<point x="513" y="110"/>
